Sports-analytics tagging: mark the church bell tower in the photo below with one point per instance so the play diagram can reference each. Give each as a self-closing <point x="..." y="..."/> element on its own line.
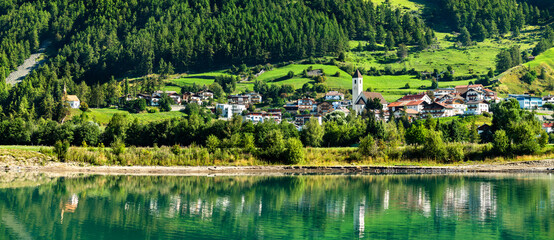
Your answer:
<point x="357" y="87"/>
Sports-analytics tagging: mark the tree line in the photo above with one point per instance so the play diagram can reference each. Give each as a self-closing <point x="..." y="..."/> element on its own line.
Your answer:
<point x="514" y="132"/>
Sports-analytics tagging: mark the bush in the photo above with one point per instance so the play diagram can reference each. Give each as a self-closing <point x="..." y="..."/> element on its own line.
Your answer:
<point x="176" y="149"/>
<point x="368" y="147"/>
<point x="294" y="151"/>
<point x="290" y="74"/>
<point x="434" y="147"/>
<point x="83" y="107"/>
<point x="60" y="149"/>
<point x="455" y="152"/>
<point x="118" y="147"/>
<point x="152" y="110"/>
<point x="500" y="143"/>
<point x="212" y="143"/>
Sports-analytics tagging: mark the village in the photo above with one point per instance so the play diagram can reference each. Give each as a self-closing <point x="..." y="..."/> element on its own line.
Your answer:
<point x="465" y="100"/>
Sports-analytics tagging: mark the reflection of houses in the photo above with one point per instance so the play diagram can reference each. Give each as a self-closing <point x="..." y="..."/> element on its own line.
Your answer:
<point x="359" y="217"/>
<point x="257" y="117"/>
<point x="70" y="205"/>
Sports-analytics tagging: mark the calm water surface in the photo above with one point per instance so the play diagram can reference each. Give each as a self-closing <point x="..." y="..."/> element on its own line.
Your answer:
<point x="290" y="207"/>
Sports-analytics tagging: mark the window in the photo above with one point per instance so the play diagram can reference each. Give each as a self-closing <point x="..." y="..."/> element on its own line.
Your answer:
<point x="354" y="81"/>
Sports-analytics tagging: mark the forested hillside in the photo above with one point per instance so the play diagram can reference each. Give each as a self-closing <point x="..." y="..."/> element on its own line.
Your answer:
<point x="489" y="18"/>
<point x="94" y="43"/>
<point x="95" y="40"/>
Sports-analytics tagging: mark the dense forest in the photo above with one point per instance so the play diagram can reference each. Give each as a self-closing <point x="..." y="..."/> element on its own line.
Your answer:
<point x="490" y="18"/>
<point x="93" y="42"/>
<point x="98" y="39"/>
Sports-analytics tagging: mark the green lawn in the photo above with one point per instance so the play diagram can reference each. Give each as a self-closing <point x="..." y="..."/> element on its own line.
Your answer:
<point x="545" y="57"/>
<point x="103" y="115"/>
<point x="403" y="4"/>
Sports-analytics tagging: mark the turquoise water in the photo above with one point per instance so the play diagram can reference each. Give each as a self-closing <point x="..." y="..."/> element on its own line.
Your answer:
<point x="288" y="207"/>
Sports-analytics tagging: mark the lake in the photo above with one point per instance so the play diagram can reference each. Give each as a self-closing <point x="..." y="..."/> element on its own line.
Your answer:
<point x="487" y="206"/>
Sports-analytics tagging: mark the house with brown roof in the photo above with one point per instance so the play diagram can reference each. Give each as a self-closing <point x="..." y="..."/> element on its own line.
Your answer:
<point x="73" y="101"/>
<point x="437" y="110"/>
<point x="334" y="96"/>
<point x="463" y="88"/>
<point x="324" y="108"/>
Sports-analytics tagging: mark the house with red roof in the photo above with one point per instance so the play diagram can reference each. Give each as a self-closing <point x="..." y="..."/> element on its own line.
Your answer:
<point x="436" y="110"/>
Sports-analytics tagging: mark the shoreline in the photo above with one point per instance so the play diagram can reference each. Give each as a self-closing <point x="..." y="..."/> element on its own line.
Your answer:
<point x="539" y="166"/>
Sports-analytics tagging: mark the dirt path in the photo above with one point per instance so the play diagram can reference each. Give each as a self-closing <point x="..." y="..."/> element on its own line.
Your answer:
<point x="28" y="65"/>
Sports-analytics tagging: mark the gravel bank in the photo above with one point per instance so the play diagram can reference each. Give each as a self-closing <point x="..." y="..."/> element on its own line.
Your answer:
<point x="543" y="166"/>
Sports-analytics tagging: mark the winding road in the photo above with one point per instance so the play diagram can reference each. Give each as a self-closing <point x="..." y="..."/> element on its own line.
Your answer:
<point x="28" y="65"/>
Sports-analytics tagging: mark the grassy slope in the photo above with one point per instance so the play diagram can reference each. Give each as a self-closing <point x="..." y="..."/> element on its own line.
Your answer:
<point x="478" y="59"/>
<point x="511" y="79"/>
<point x="103" y="115"/>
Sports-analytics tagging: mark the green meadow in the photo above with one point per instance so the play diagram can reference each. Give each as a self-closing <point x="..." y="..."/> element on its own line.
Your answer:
<point x="103" y="115"/>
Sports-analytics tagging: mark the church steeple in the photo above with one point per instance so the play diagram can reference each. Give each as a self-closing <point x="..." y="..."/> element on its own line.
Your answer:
<point x="357" y="86"/>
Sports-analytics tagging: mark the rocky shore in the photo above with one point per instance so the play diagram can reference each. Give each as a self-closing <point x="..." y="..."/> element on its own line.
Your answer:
<point x="542" y="166"/>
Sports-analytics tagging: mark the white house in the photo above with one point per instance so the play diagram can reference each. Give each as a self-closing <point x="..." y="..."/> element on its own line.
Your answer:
<point x="477" y="107"/>
<point x="228" y="110"/>
<point x="527" y="101"/>
<point x="439" y="92"/>
<point x="73" y="101"/>
<point x="257" y="117"/>
<point x="334" y="96"/>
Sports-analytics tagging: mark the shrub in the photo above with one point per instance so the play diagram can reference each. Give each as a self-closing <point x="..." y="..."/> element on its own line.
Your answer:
<point x="60" y="149"/>
<point x="500" y="143"/>
<point x="367" y="146"/>
<point x="434" y="147"/>
<point x="290" y="74"/>
<point x="212" y="143"/>
<point x="294" y="151"/>
<point x="83" y="107"/>
<point x="118" y="147"/>
<point x="455" y="152"/>
<point x="176" y="149"/>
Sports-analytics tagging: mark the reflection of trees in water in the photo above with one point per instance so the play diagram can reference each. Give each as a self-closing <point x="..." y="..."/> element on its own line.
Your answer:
<point x="254" y="205"/>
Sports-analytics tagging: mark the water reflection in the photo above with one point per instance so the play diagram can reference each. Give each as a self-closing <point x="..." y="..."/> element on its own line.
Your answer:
<point x="291" y="207"/>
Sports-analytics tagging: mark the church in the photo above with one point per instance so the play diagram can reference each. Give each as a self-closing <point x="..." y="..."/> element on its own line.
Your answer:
<point x="359" y="97"/>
